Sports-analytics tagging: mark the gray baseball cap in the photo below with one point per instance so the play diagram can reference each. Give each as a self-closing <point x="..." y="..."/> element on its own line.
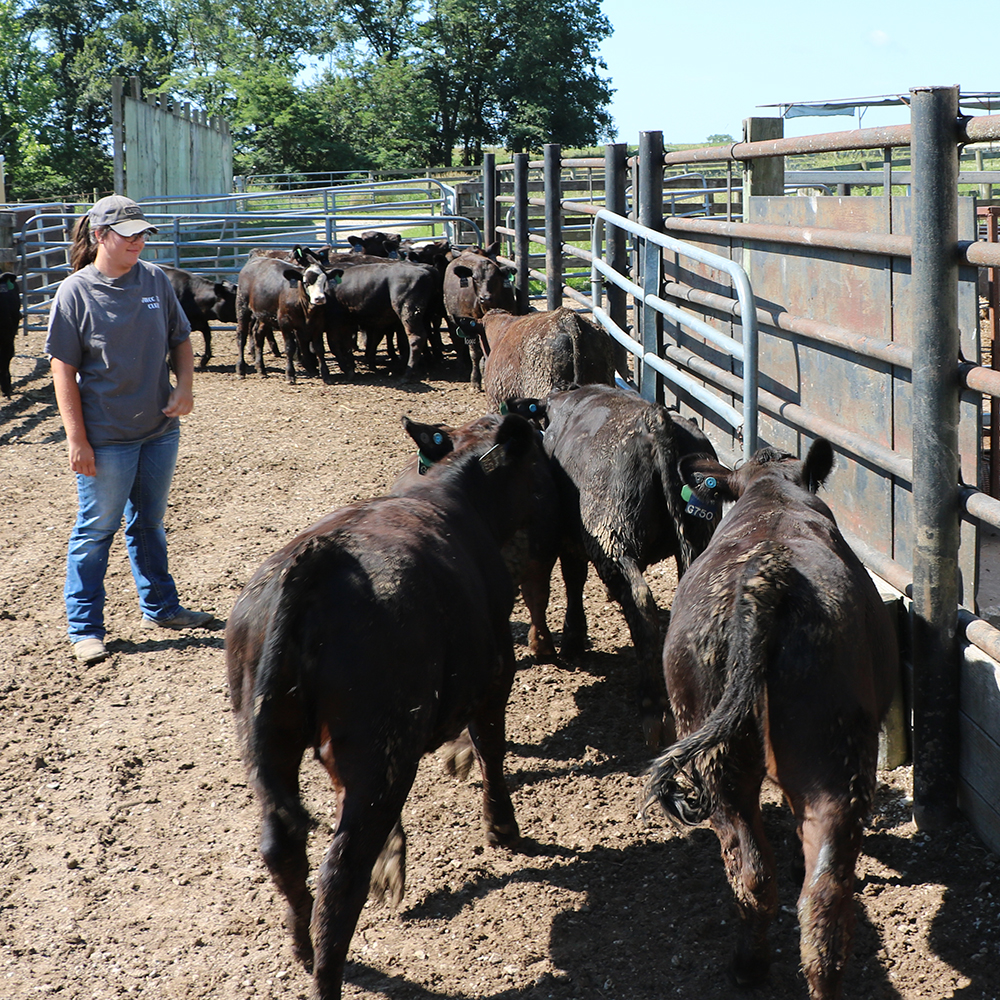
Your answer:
<point x="121" y="214"/>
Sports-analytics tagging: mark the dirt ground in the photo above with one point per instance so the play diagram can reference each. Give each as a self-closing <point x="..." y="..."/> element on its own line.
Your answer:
<point x="128" y="834"/>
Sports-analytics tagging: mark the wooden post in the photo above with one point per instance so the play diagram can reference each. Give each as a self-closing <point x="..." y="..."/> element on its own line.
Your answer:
<point x="762" y="176"/>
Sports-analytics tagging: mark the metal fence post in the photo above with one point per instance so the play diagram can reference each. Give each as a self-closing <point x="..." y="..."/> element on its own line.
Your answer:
<point x="650" y="196"/>
<point x="935" y="455"/>
<point x="553" y="226"/>
<point x="521" y="231"/>
<point x="489" y="198"/>
<point x="614" y="201"/>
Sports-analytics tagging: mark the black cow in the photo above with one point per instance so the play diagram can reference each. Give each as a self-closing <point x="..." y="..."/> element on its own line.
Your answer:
<point x="376" y="243"/>
<point x="474" y="283"/>
<point x="272" y="294"/>
<point x="614" y="458"/>
<point x="202" y="299"/>
<point x="531" y="553"/>
<point x="374" y="637"/>
<point x="534" y="354"/>
<point x="10" y="319"/>
<point x="780" y="659"/>
<point x="382" y="300"/>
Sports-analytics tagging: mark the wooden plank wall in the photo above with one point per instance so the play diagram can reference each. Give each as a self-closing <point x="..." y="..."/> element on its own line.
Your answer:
<point x="171" y="152"/>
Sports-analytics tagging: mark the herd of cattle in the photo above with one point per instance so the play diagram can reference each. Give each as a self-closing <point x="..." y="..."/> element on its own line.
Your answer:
<point x="383" y="289"/>
<point x="779" y="658"/>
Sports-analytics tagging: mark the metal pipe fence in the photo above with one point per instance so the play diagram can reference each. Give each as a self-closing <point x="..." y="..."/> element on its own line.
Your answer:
<point x="196" y="235"/>
<point x="692" y="368"/>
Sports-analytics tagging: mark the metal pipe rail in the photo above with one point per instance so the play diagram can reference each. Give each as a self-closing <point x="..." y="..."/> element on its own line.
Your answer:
<point x="745" y="352"/>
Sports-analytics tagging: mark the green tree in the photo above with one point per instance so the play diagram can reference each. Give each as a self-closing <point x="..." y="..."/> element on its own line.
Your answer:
<point x="77" y="47"/>
<point x="549" y="81"/>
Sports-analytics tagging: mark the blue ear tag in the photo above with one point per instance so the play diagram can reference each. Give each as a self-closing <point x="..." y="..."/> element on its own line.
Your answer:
<point x="695" y="506"/>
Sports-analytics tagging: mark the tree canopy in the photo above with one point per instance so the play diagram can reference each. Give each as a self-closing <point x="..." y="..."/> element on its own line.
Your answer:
<point x="305" y="86"/>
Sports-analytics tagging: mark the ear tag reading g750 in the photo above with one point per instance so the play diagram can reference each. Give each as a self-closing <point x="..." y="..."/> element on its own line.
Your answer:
<point x="492" y="459"/>
<point x="695" y="506"/>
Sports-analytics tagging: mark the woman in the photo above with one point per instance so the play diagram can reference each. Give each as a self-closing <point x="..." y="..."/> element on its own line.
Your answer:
<point x="113" y="322"/>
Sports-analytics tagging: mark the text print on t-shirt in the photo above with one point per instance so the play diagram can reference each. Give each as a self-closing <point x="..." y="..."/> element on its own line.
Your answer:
<point x="152" y="301"/>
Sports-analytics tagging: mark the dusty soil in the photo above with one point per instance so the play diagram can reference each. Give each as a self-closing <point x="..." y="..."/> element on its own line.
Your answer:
<point x="128" y="834"/>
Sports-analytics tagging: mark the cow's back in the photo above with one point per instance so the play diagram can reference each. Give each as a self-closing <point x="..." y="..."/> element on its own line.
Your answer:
<point x="532" y="355"/>
<point x="387" y="583"/>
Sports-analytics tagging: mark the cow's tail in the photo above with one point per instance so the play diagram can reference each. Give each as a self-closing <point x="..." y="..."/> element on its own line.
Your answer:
<point x="281" y="716"/>
<point x="677" y="780"/>
<point x="691" y="537"/>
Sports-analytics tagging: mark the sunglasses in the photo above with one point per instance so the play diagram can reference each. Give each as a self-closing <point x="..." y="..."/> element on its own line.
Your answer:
<point x="132" y="239"/>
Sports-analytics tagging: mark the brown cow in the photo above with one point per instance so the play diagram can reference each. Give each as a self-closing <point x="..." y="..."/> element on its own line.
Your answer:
<point x="780" y="659"/>
<point x="272" y="294"/>
<point x="474" y="283"/>
<point x="374" y="637"/>
<point x="535" y="354"/>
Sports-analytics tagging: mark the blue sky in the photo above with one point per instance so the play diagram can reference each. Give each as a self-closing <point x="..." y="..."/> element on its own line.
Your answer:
<point x="691" y="70"/>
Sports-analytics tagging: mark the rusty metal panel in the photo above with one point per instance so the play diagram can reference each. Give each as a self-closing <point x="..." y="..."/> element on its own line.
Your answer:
<point x="866" y="294"/>
<point x="851" y="290"/>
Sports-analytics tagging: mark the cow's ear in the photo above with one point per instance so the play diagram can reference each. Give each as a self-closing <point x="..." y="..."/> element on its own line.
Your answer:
<point x="508" y="272"/>
<point x="530" y="409"/>
<point x="291" y="275"/>
<point x="432" y="440"/>
<point x="818" y="464"/>
<point x="335" y="274"/>
<point x="299" y="256"/>
<point x="515" y="437"/>
<point x="356" y="243"/>
<point x="492" y="250"/>
<point x="468" y="328"/>
<point x="707" y="478"/>
<point x="462" y="271"/>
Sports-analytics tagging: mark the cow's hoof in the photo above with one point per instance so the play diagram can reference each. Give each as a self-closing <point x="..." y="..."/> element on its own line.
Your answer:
<point x="507" y="835"/>
<point x="748" y="971"/>
<point x="574" y="645"/>
<point x="543" y="652"/>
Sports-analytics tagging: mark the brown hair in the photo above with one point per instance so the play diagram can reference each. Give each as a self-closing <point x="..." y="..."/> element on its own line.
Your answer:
<point x="84" y="247"/>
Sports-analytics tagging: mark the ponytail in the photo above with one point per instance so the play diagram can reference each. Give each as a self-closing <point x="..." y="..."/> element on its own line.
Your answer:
<point x="83" y="250"/>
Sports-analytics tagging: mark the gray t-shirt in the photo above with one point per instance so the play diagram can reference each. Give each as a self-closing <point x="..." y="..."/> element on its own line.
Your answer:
<point x="117" y="333"/>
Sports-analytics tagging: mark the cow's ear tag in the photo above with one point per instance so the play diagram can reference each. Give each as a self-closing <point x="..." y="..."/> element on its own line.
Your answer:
<point x="695" y="506"/>
<point x="464" y="282"/>
<point x="493" y="459"/>
<point x="423" y="463"/>
<point x="503" y="410"/>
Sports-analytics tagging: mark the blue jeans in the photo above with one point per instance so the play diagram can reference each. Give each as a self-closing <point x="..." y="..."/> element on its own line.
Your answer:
<point x="132" y="479"/>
